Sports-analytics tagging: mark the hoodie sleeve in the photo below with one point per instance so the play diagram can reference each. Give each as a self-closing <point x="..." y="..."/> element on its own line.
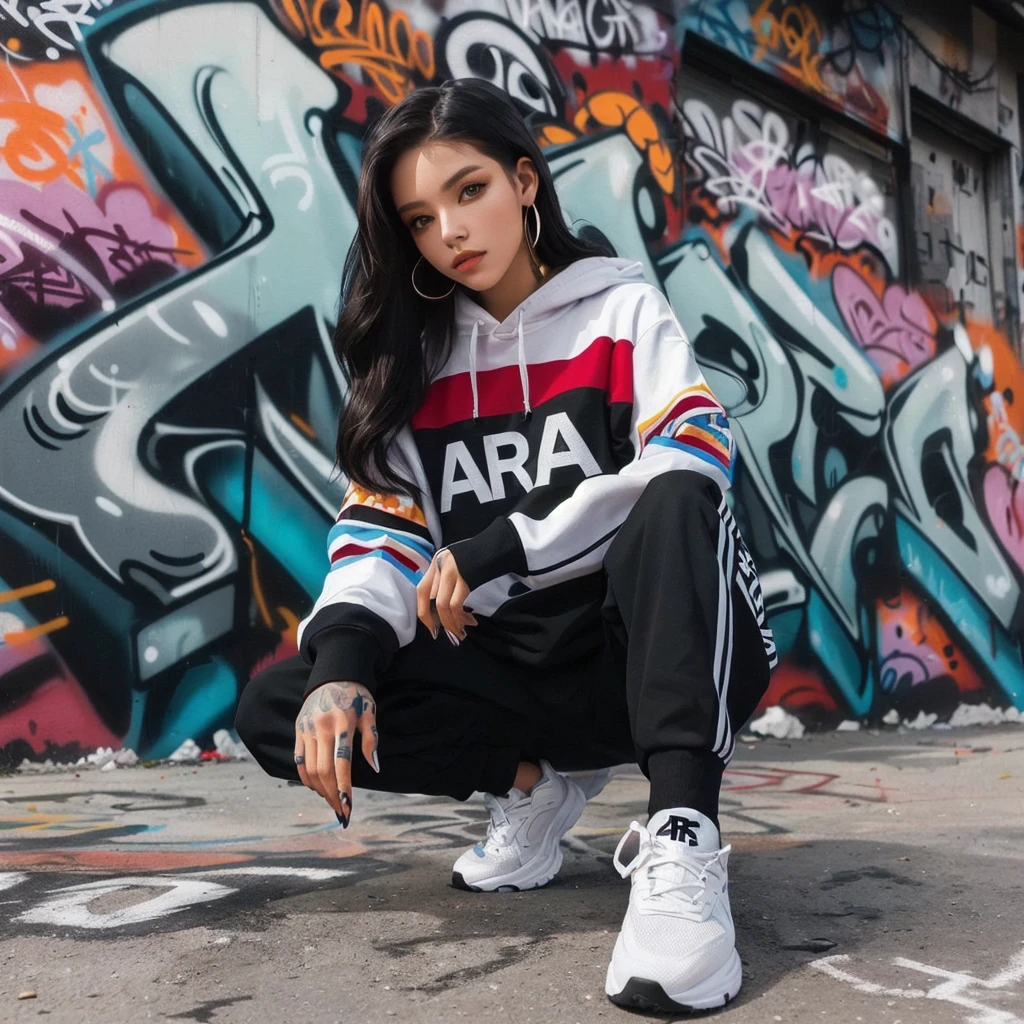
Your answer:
<point x="378" y="550"/>
<point x="676" y="423"/>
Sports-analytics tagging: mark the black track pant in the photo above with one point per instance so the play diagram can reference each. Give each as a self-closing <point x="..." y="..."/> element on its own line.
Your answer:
<point x="685" y="659"/>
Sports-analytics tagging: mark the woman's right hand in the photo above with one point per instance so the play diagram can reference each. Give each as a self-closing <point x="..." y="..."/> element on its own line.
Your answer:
<point x="325" y="732"/>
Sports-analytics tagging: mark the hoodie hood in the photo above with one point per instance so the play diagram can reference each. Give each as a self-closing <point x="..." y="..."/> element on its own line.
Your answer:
<point x="580" y="280"/>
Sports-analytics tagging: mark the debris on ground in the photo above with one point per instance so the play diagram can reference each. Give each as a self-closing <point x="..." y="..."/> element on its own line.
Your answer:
<point x="228" y="746"/>
<point x="923" y="721"/>
<point x="984" y="714"/>
<point x="188" y="751"/>
<point x="778" y="722"/>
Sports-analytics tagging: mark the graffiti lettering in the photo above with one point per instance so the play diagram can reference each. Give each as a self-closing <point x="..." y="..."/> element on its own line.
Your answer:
<point x="792" y="34"/>
<point x="847" y="59"/>
<point x="386" y="47"/>
<point x="600" y="26"/>
<point x="55" y="26"/>
<point x="746" y="161"/>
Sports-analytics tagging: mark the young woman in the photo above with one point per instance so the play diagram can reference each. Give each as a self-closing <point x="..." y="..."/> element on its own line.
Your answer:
<point x="534" y="569"/>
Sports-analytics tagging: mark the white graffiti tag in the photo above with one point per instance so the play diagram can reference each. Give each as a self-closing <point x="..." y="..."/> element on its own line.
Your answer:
<point x="599" y="25"/>
<point x="747" y="159"/>
<point x="83" y="906"/>
<point x="59" y="23"/>
<point x="955" y="987"/>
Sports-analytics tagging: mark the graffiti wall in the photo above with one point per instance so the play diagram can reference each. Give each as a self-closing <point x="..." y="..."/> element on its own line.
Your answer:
<point x="176" y="199"/>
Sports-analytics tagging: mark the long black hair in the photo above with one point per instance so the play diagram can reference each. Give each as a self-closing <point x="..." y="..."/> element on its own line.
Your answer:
<point x="389" y="341"/>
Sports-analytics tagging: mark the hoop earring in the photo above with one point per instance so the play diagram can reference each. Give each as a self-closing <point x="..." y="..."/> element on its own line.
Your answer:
<point x="526" y="229"/>
<point x="423" y="295"/>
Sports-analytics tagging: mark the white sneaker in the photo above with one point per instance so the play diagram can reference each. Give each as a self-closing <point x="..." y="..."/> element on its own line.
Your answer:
<point x="677" y="947"/>
<point x="521" y="849"/>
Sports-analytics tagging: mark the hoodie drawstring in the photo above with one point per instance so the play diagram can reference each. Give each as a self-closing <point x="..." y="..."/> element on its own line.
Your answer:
<point x="472" y="368"/>
<point x="524" y="377"/>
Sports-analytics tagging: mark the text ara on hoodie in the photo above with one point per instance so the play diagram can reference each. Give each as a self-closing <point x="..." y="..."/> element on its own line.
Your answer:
<point x="530" y="449"/>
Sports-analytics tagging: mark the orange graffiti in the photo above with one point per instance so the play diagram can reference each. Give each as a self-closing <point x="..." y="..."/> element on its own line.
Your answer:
<point x="386" y="46"/>
<point x="618" y="109"/>
<point x="793" y="35"/>
<point x="43" y="587"/>
<point x="24" y="636"/>
<point x="43" y="134"/>
<point x="908" y="629"/>
<point x="254" y="579"/>
<point x="615" y="109"/>
<point x="36" y="148"/>
<point x="302" y="425"/>
<point x="555" y="135"/>
<point x="1003" y="406"/>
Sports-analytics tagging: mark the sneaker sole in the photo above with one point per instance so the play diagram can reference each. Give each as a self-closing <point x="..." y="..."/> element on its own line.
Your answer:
<point x="533" y="874"/>
<point x="715" y="992"/>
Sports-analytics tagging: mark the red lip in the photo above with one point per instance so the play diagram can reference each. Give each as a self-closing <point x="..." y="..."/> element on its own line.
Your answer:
<point x="469" y="254"/>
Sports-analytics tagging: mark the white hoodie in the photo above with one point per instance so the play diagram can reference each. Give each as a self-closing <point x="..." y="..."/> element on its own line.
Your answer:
<point x="532" y="446"/>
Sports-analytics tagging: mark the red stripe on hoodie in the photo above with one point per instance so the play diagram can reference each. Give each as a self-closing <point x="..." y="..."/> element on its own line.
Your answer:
<point x="603" y="364"/>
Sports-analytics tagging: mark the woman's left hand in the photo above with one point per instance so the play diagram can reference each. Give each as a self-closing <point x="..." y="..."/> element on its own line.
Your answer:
<point x="440" y="596"/>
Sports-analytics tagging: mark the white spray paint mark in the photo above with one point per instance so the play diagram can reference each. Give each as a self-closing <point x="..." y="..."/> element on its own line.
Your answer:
<point x="211" y="317"/>
<point x="957" y="987"/>
<point x="69" y="907"/>
<point x="828" y="966"/>
<point x="9" y="879"/>
<point x="109" y="506"/>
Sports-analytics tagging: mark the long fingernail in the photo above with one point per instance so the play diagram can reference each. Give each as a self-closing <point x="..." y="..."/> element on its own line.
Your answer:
<point x="376" y="763"/>
<point x="452" y="637"/>
<point x="346" y="810"/>
<point x="435" y="631"/>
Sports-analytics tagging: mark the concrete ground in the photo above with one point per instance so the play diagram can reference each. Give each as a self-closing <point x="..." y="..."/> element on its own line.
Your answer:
<point x="874" y="878"/>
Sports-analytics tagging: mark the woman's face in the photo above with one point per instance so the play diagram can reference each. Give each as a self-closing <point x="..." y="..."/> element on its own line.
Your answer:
<point x="463" y="210"/>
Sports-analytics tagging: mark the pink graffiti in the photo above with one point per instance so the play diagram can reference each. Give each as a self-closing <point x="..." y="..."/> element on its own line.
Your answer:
<point x="914" y="647"/>
<point x="1004" y="502"/>
<point x="896" y="332"/>
<point x="829" y="208"/>
<point x="64" y="249"/>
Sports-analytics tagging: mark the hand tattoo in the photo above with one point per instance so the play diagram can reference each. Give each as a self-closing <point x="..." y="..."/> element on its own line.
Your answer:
<point x="342" y="696"/>
<point x="343" y="749"/>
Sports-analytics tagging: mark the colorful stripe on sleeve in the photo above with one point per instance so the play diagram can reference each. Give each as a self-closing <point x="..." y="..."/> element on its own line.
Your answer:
<point x="695" y="423"/>
<point x="376" y="526"/>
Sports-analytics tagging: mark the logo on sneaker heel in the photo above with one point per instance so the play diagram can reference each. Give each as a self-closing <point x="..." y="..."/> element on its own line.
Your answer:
<point x="680" y="829"/>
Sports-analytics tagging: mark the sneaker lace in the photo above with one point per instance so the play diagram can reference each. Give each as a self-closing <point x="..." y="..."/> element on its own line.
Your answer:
<point x="497" y="830"/>
<point x="675" y="885"/>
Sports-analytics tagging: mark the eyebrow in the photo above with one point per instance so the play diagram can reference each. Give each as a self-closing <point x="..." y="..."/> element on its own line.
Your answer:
<point x="444" y="188"/>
